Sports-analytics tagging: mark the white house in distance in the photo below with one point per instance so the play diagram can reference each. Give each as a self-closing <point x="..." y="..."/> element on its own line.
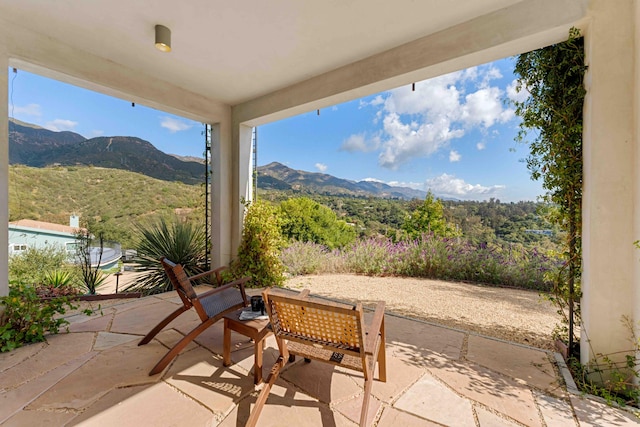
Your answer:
<point x="28" y="233"/>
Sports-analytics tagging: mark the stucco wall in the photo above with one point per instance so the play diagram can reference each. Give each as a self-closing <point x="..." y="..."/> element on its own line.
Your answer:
<point x="4" y="170"/>
<point x="610" y="141"/>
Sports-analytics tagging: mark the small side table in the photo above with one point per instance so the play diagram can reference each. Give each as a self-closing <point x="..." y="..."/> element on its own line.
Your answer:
<point x="257" y="330"/>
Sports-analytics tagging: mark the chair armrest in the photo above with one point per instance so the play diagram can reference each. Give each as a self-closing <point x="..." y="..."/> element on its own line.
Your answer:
<point x="304" y="293"/>
<point x="215" y="271"/>
<point x="239" y="283"/>
<point x="373" y="328"/>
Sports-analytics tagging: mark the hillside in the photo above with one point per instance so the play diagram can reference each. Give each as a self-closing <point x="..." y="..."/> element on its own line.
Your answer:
<point x="119" y="198"/>
<point x="31" y="145"/>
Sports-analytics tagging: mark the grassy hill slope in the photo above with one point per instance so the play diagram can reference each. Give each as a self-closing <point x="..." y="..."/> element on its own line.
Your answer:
<point x="118" y="198"/>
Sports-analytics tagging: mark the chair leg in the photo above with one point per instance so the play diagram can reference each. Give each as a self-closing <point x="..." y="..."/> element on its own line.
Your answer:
<point x="264" y="394"/>
<point x="173" y="352"/>
<point x="368" y="384"/>
<point x="382" y="356"/>
<point x="160" y="326"/>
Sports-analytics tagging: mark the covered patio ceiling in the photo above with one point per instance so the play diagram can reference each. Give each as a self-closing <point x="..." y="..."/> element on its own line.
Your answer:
<point x="268" y="59"/>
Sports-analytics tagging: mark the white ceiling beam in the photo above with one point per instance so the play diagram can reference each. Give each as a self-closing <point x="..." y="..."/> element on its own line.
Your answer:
<point x="519" y="28"/>
<point x="45" y="56"/>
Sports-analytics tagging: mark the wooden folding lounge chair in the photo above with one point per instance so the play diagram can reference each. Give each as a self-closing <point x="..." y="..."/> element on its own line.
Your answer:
<point x="210" y="306"/>
<point x="327" y="332"/>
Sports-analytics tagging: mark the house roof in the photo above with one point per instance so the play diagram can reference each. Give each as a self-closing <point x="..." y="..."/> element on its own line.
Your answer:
<point x="45" y="226"/>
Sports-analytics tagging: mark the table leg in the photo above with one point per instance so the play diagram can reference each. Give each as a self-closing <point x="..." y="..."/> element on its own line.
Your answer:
<point x="226" y="347"/>
<point x="257" y="363"/>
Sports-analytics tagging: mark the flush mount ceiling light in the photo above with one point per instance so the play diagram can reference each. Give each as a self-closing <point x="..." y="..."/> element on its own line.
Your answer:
<point x="163" y="38"/>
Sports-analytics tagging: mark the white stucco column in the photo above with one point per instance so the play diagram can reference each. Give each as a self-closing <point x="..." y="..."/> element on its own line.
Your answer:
<point x="242" y="179"/>
<point x="230" y="185"/>
<point x="611" y="195"/>
<point x="4" y="173"/>
<point x="221" y="194"/>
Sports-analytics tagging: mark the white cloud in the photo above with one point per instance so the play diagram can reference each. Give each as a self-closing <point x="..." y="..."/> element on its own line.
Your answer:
<point x="321" y="167"/>
<point x="174" y="125"/>
<point x="422" y="122"/>
<point x="414" y="185"/>
<point x="447" y="185"/>
<point x="454" y="156"/>
<point x="515" y="95"/>
<point x="32" y="110"/>
<point x="481" y="146"/>
<point x="407" y="141"/>
<point x="485" y="108"/>
<point x="59" y="125"/>
<point x="359" y="142"/>
<point x="378" y="100"/>
<point x="492" y="73"/>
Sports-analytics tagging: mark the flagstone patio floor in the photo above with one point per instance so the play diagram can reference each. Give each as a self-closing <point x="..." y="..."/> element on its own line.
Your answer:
<point x="96" y="375"/>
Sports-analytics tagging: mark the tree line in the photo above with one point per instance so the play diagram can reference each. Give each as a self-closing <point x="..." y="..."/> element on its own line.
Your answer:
<point x="347" y="218"/>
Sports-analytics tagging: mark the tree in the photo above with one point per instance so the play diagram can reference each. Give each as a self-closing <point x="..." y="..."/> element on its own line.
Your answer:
<point x="429" y="218"/>
<point x="554" y="76"/>
<point x="305" y="220"/>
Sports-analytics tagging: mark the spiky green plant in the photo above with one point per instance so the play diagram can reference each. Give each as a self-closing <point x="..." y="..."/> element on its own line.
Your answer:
<point x="58" y="278"/>
<point x="181" y="242"/>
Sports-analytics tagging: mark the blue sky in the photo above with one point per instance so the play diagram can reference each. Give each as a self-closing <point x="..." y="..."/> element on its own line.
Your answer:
<point x="454" y="134"/>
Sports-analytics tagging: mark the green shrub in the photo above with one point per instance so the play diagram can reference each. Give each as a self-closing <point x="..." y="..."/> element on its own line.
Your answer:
<point x="181" y="242"/>
<point x="26" y="318"/>
<point x="305" y="220"/>
<point x="259" y="252"/>
<point x="32" y="265"/>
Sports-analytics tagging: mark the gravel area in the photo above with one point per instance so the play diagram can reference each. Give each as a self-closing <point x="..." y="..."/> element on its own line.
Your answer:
<point x="510" y="314"/>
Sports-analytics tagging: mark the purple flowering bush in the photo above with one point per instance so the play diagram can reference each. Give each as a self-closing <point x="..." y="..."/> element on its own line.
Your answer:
<point x="433" y="257"/>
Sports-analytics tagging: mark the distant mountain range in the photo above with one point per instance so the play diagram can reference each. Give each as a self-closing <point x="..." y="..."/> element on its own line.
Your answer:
<point x="34" y="146"/>
<point x="276" y="176"/>
<point x="31" y="145"/>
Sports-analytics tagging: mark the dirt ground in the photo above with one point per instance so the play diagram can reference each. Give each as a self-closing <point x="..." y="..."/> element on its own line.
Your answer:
<point x="510" y="314"/>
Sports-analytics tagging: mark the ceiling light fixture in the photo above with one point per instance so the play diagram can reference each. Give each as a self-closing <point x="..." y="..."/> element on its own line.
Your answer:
<point x="163" y="38"/>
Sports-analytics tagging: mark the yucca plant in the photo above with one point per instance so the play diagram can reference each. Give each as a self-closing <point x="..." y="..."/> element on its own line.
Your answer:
<point x="58" y="283"/>
<point x="58" y="278"/>
<point x="181" y="242"/>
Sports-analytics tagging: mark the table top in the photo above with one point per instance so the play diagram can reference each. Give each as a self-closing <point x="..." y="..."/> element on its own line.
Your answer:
<point x="253" y="323"/>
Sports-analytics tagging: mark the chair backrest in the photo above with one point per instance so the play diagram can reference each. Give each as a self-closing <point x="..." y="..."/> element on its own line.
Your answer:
<point x="326" y="325"/>
<point x="180" y="281"/>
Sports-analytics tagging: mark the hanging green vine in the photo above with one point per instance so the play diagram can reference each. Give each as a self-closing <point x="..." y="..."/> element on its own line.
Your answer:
<point x="552" y="116"/>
